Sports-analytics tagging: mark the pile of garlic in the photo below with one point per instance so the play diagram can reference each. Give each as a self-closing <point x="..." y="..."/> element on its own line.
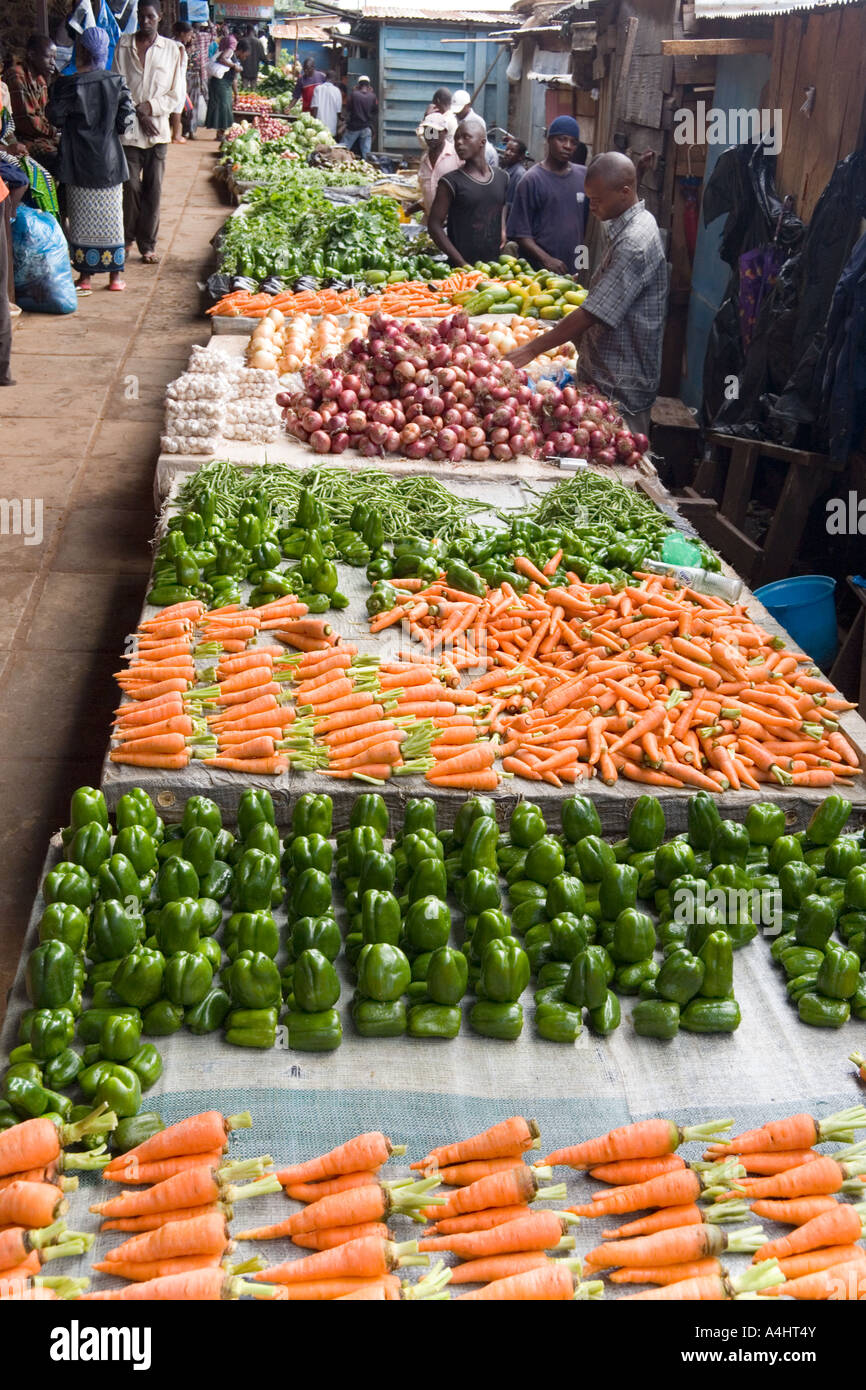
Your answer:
<point x="218" y="399"/>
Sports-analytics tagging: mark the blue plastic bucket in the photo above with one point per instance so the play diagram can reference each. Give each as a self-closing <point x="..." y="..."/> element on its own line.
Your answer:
<point x="805" y="608"/>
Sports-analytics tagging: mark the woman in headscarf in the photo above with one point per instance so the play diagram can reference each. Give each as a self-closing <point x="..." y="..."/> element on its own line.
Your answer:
<point x="222" y="85"/>
<point x="92" y="108"/>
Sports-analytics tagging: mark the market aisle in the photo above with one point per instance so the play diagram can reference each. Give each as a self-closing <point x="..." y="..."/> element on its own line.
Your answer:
<point x="80" y="431"/>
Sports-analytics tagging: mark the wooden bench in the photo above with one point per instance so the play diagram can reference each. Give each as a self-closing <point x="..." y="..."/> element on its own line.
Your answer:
<point x="675" y="436"/>
<point x="724" y="486"/>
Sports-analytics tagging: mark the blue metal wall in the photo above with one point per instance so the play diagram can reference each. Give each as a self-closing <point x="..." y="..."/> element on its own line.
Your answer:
<point x="413" y="62"/>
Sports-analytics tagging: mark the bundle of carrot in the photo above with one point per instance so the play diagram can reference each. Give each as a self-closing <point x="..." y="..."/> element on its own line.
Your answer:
<point x="155" y="729"/>
<point x="410" y="299"/>
<point x="241" y="304"/>
<point x="656" y="683"/>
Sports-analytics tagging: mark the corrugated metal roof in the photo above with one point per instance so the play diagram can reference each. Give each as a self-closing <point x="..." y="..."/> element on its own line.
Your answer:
<point x="302" y="29"/>
<point x="494" y="11"/>
<point x="755" y="9"/>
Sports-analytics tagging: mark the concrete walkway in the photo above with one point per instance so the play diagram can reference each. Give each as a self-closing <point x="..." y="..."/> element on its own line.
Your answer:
<point x="80" y="433"/>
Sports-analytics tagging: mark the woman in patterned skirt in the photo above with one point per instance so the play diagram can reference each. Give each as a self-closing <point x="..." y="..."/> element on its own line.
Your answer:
<point x="92" y="108"/>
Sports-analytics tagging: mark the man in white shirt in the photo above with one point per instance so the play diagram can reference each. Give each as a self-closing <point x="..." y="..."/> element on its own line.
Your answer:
<point x="461" y="108"/>
<point x="327" y="102"/>
<point x="155" y="74"/>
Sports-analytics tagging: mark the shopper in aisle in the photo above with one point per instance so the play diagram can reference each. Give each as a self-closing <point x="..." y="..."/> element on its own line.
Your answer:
<point x="309" y="79"/>
<point x="181" y="33"/>
<point x="547" y="218"/>
<point x="152" y="68"/>
<point x="619" y="327"/>
<point x="27" y="83"/>
<point x="361" y="109"/>
<point x="470" y="201"/>
<point x="15" y="178"/>
<point x="93" y="109"/>
<point x="440" y="102"/>
<point x="5" y="314"/>
<point x="223" y="76"/>
<point x="513" y="162"/>
<point x="461" y="109"/>
<point x="249" y="56"/>
<point x="439" y="157"/>
<point x="327" y="102"/>
<point x="196" y="77"/>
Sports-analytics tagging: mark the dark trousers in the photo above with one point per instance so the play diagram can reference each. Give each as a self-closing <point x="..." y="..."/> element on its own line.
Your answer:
<point x="141" y="196"/>
<point x="5" y="318"/>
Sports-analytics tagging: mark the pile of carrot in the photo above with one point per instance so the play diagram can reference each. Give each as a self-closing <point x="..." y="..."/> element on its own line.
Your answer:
<point x="657" y="683"/>
<point x="241" y="304"/>
<point x="411" y="299"/>
<point x="407" y="299"/>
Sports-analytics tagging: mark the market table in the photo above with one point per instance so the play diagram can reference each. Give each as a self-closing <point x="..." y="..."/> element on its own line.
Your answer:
<point x="424" y="1092"/>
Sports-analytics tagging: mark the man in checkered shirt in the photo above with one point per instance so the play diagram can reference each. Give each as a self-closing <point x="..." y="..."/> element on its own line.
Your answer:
<point x="618" y="329"/>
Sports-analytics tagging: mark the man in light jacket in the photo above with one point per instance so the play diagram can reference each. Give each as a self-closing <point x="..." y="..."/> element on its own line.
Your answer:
<point x="155" y="73"/>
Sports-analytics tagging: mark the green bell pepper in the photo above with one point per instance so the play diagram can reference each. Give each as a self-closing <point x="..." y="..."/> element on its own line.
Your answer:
<point x="50" y="975"/>
<point x="255" y="876"/>
<point x="765" y="822"/>
<point x="855" y="890"/>
<point x="473" y="809"/>
<point x="703" y="819"/>
<point x="505" y="971"/>
<point x="447" y="976"/>
<point x="607" y="1016"/>
<point x="828" y="820"/>
<point x="594" y="856"/>
<point x="557" y="1022"/>
<point x="61" y="1070"/>
<point x="114" y="931"/>
<point x="580" y="818"/>
<point x="129" y="1133"/>
<point x="380" y="918"/>
<point x="68" y="883"/>
<point x="139" y="976"/>
<point x="490" y="925"/>
<point x="479" y="846"/>
<point x="816" y="920"/>
<point x="545" y="860"/>
<point x="434" y="1021"/>
<point x="819" y="1011"/>
<point x="251" y="931"/>
<point x="646" y="825"/>
<point x="717" y="958"/>
<point x="137" y="845"/>
<point x="316" y="933"/>
<point x="217" y="882"/>
<point x="429" y="880"/>
<point x="177" y="927"/>
<point x="618" y="891"/>
<point x="26" y="1095"/>
<point x="117" y="1086"/>
<point x="120" y="1038"/>
<point x="64" y="922"/>
<point x="384" y="972"/>
<point x="200" y="813"/>
<point x="672" y="861"/>
<point x="161" y="1019"/>
<point x="421" y="846"/>
<point x="375" y="1018"/>
<point x="783" y="850"/>
<point x="209" y="1013"/>
<point x="480" y="890"/>
<point x="254" y="806"/>
<point x="729" y="843"/>
<point x="526" y="825"/>
<point x="189" y="977"/>
<point x="199" y="849"/>
<point x="86" y="807"/>
<point x="135" y="808"/>
<point x="319" y="1031"/>
<point x="354" y="848"/>
<point x="565" y="894"/>
<point x="253" y="981"/>
<point x="681" y="976"/>
<point x="176" y="879"/>
<point x="51" y="1032"/>
<point x="797" y="881"/>
<point x="634" y="936"/>
<point x="843" y="857"/>
<point x="369" y="809"/>
<point x="503" y="1021"/>
<point x="569" y="935"/>
<point x="838" y="973"/>
<point x="91" y="1021"/>
<point x="315" y="983"/>
<point x="629" y="978"/>
<point x="420" y="814"/>
<point x="586" y="986"/>
<point x="308" y="852"/>
<point x="427" y="925"/>
<point x="90" y="845"/>
<point x="251" y="1027"/>
<point x="116" y="878"/>
<point x="656" y="1018"/>
<point x="710" y="1016"/>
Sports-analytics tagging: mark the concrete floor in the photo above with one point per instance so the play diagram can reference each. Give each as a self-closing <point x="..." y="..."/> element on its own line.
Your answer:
<point x="80" y="431"/>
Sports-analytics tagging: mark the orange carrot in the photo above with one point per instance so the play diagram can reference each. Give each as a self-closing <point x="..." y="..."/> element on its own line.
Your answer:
<point x="359" y="1204"/>
<point x="540" y="1230"/>
<point x="497" y="1267"/>
<point x="645" y="1139"/>
<point x="201" y="1285"/>
<point x="367" y="1258"/>
<point x="841" y="1226"/>
<point x="197" y="1235"/>
<point x="365" y="1152"/>
<point x="340" y="1235"/>
<point x="671" y="1189"/>
<point x="767" y="1164"/>
<point x="553" y="1282"/>
<point x="162" y="1218"/>
<point x="795" y="1212"/>
<point x="812" y="1261"/>
<point x="141" y="1271"/>
<point x="171" y="761"/>
<point x="499" y="1189"/>
<point x="799" y="1131"/>
<point x="31" y="1204"/>
<point x="667" y="1274"/>
<point x="325" y="1290"/>
<point x="462" y="1174"/>
<point x="195" y="1187"/>
<point x="672" y="1247"/>
<point x="196" y="1134"/>
<point x="312" y="1191"/>
<point x="846" y="1281"/>
<point x="817" y="1179"/>
<point x="136" y="1173"/>
<point x="637" y="1169"/>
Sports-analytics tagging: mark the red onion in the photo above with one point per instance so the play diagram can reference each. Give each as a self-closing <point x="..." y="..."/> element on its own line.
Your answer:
<point x="581" y="438"/>
<point x="404" y="371"/>
<point x="481" y="453"/>
<point x="561" y="411"/>
<point x="420" y="448"/>
<point x="392" y="441"/>
<point x="377" y="433"/>
<point x="518" y="444"/>
<point x="641" y="443"/>
<point x="458" y="453"/>
<point x="410" y="433"/>
<point x="311" y="421"/>
<point x="475" y="437"/>
<point x="440" y="356"/>
<point x="500" y="435"/>
<point x="339" y="442"/>
<point x="605" y="456"/>
<point x="446" y="439"/>
<point x="356" y="422"/>
<point x="597" y="440"/>
<point x="380" y="393"/>
<point x="320" y="441"/>
<point x="623" y="443"/>
<point x="634" y="460"/>
<point x="502" y="451"/>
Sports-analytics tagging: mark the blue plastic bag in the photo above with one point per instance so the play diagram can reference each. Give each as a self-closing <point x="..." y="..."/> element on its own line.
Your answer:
<point x="43" y="274"/>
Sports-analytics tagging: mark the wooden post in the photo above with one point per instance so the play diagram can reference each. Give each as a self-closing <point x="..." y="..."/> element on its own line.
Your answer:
<point x="42" y="16"/>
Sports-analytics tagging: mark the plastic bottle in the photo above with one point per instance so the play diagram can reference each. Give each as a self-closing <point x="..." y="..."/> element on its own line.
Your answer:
<point x="702" y="581"/>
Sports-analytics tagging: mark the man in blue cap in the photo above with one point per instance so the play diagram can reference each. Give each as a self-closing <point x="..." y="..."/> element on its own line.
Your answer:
<point x="547" y="217"/>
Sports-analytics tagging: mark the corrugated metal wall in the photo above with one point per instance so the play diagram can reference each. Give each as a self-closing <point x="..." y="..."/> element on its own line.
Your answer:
<point x="413" y="62"/>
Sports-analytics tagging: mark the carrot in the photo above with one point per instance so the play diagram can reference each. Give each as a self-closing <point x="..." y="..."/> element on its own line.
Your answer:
<point x="799" y="1131"/>
<point x="673" y="1247"/>
<point x="645" y="1139"/>
<point x="637" y="1169"/>
<point x="31" y="1204"/>
<point x="365" y="1152"/>
<point x="767" y="1164"/>
<point x="195" y="1187"/>
<point x="253" y="766"/>
<point x="312" y="1191"/>
<point x="846" y="1281"/>
<point x="667" y="1274"/>
<point x="18" y="1244"/>
<point x="479" y="1220"/>
<point x="818" y="1179"/>
<point x="137" y="1173"/>
<point x="498" y="1190"/>
<point x="172" y="761"/>
<point x="162" y="1218"/>
<point x="325" y="1290"/>
<point x="462" y="1174"/>
<point x="472" y="760"/>
<point x="553" y="1282"/>
<point x="197" y="1235"/>
<point x="196" y="1134"/>
<point x="812" y="1261"/>
<point x="531" y="571"/>
<point x="669" y="1218"/>
<point x="717" y="1287"/>
<point x="499" y="1267"/>
<point x="670" y="1190"/>
<point x="359" y="1204"/>
<point x="841" y="1226"/>
<point x="201" y="1285"/>
<point x="486" y="780"/>
<point x="141" y="1271"/>
<point x="367" y="1258"/>
<point x="795" y="1212"/>
<point x="340" y="1235"/>
<point x="540" y="1230"/>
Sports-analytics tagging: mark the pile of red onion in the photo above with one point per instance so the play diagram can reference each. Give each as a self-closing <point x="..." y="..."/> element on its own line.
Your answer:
<point x="442" y="393"/>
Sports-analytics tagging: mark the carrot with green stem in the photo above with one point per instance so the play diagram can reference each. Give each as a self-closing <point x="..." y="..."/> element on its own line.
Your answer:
<point x="719" y="1287"/>
<point x="820" y="1178"/>
<point x="195" y="1187"/>
<point x="668" y="1274"/>
<point x="366" y="1152"/>
<point x="516" y="1185"/>
<point x="675" y="1246"/>
<point x="506" y="1139"/>
<point x="195" y="1135"/>
<point x="637" y="1169"/>
<point x="556" y="1281"/>
<point x="644" y="1139"/>
<point x="139" y="1271"/>
<point x="36" y="1143"/>
<point x="366" y="1258"/>
<point x="201" y="1285"/>
<point x="197" y="1235"/>
<point x="843" y="1225"/>
<point x="154" y="1220"/>
<point x="669" y="1190"/>
<point x="540" y="1230"/>
<point x="495" y="1267"/>
<point x="360" y="1204"/>
<point x="462" y="1174"/>
<point x="430" y="1288"/>
<point x="341" y="1235"/>
<point x="795" y="1211"/>
<point x="312" y="1191"/>
<point x="53" y="1242"/>
<point x="844" y="1282"/>
<point x="812" y="1261"/>
<point x="37" y="1288"/>
<point x="669" y="1218"/>
<point x="796" y="1132"/>
<point x="31" y="1204"/>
